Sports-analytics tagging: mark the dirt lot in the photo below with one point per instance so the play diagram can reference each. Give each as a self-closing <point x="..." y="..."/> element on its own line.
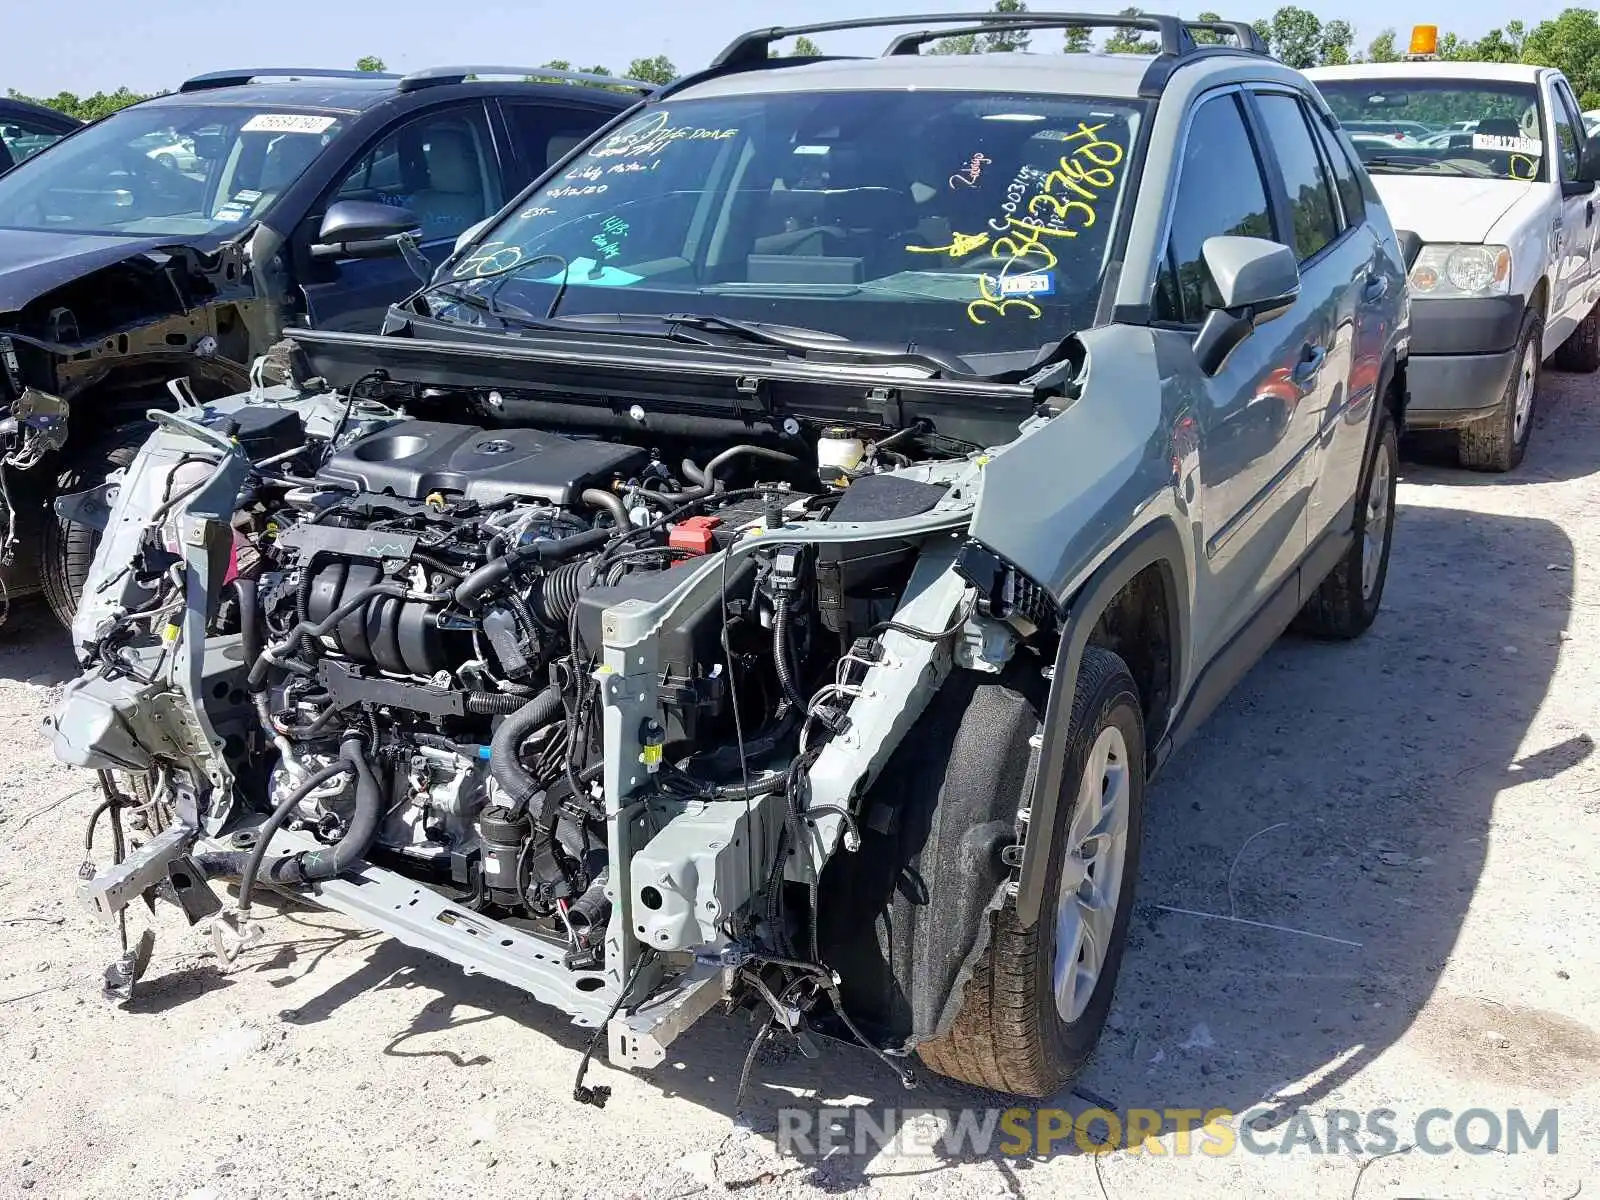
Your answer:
<point x="1427" y="801"/>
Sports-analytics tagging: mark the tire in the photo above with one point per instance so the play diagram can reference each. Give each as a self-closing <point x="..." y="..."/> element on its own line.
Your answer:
<point x="1347" y="600"/>
<point x="1498" y="441"/>
<point x="1580" y="353"/>
<point x="1009" y="1034"/>
<point x="66" y="549"/>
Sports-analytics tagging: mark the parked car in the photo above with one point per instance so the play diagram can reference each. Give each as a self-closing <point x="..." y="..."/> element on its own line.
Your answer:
<point x="1499" y="224"/>
<point x="174" y="153"/>
<point x="848" y="480"/>
<point x="26" y="129"/>
<point x="125" y="264"/>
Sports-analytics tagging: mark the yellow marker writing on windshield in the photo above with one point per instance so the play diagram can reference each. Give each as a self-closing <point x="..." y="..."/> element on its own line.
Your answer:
<point x="961" y="245"/>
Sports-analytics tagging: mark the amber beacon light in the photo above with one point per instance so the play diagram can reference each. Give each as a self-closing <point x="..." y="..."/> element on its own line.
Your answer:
<point x="1424" y="41"/>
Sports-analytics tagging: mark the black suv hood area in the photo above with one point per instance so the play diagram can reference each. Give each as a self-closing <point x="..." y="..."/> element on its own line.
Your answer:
<point x="34" y="263"/>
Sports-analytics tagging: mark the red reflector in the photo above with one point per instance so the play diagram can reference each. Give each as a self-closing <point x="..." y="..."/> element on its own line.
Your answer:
<point x="693" y="535"/>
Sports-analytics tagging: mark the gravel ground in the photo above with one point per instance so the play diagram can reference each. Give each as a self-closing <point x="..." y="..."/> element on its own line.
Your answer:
<point x="1419" y="813"/>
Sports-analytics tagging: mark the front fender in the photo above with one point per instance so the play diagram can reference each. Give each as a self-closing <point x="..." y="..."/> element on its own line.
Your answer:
<point x="1158" y="544"/>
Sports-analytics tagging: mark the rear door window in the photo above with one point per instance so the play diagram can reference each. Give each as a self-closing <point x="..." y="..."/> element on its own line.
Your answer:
<point x="1345" y="180"/>
<point x="544" y="133"/>
<point x="1305" y="177"/>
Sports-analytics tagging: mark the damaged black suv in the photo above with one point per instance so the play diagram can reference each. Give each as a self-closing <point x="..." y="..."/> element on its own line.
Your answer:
<point x="177" y="239"/>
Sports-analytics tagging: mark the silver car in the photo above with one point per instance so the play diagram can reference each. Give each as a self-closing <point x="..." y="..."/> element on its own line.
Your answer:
<point x="770" y="559"/>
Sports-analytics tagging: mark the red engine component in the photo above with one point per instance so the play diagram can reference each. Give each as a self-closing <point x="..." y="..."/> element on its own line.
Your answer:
<point x="693" y="535"/>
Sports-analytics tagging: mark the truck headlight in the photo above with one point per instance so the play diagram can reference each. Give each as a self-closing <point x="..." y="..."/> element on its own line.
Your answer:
<point x="1446" y="270"/>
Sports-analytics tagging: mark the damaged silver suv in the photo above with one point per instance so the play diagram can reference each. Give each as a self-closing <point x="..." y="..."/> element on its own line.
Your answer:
<point x="765" y="565"/>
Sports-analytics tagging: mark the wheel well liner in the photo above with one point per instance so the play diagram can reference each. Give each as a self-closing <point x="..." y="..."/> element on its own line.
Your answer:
<point x="1156" y="547"/>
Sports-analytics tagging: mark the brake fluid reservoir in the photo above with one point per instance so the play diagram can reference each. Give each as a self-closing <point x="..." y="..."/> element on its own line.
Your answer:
<point x="839" y="454"/>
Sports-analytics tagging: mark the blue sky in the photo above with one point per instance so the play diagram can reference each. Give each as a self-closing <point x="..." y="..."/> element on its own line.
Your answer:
<point x="149" y="44"/>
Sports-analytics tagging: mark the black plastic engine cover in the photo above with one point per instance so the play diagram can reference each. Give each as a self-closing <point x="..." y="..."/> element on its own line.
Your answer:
<point x="413" y="458"/>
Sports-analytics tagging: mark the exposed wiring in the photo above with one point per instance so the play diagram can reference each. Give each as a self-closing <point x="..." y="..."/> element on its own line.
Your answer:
<point x="598" y="1095"/>
<point x="928" y="635"/>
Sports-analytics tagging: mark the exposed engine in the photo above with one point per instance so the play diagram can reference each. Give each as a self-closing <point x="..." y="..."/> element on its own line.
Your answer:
<point x="420" y="604"/>
<point x="431" y="591"/>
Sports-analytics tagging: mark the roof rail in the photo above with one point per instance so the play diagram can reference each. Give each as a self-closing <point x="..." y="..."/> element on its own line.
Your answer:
<point x="1242" y="31"/>
<point x="1174" y="32"/>
<point x="443" y="76"/>
<point x="1249" y="41"/>
<point x="243" y="75"/>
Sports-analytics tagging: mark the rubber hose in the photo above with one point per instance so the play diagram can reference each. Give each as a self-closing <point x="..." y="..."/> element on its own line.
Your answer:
<point x="709" y="479"/>
<point x="612" y="503"/>
<point x="249" y="618"/>
<point x="246" y="864"/>
<point x="471" y="589"/>
<point x="493" y="704"/>
<point x="328" y="862"/>
<point x="505" y="764"/>
<point x="780" y="652"/>
<point x="252" y="866"/>
<point x="557" y="594"/>
<point x="591" y="910"/>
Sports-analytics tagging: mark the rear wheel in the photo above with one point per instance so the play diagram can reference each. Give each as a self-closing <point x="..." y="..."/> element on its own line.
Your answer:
<point x="1347" y="601"/>
<point x="1580" y="353"/>
<point x="1498" y="441"/>
<point x="67" y="548"/>
<point x="1037" y="1000"/>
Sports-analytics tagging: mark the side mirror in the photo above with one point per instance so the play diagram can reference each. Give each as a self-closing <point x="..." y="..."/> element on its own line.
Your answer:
<point x="1256" y="280"/>
<point x="361" y="229"/>
<point x="1588" y="168"/>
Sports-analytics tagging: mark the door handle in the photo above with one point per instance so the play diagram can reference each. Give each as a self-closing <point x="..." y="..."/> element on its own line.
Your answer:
<point x="1305" y="371"/>
<point x="1588" y="213"/>
<point x="1377" y="288"/>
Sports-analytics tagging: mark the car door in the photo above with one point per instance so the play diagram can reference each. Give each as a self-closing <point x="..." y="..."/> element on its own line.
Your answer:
<point x="1249" y="496"/>
<point x="439" y="165"/>
<point x="1345" y="278"/>
<point x="1576" y="238"/>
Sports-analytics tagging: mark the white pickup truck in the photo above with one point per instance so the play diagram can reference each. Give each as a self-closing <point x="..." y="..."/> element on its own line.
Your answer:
<point x="1495" y="208"/>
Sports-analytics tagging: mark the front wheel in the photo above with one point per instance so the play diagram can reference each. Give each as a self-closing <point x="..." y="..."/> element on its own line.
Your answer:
<point x="1038" y="998"/>
<point x="1498" y="441"/>
<point x="66" y="548"/>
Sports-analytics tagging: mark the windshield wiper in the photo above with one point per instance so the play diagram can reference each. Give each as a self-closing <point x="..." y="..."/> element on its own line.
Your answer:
<point x="1412" y="164"/>
<point x="676" y="327"/>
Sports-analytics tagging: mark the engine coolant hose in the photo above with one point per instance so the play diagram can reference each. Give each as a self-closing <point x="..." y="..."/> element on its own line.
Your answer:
<point x="504" y="763"/>
<point x="311" y="866"/>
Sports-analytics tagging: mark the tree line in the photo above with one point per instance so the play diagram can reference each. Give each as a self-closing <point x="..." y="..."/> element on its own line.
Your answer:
<point x="1297" y="36"/>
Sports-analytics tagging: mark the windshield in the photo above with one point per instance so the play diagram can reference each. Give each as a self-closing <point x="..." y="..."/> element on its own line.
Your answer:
<point x="1476" y="128"/>
<point x="970" y="223"/>
<point x="162" y="169"/>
